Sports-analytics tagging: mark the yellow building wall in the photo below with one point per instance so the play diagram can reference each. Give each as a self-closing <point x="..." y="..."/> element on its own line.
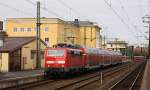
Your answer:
<point x="52" y="32"/>
<point x="58" y="31"/>
<point x="88" y="32"/>
<point x="4" y="62"/>
<point x="30" y="63"/>
<point x="68" y="33"/>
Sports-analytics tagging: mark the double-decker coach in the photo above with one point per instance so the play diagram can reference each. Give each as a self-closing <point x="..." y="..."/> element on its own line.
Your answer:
<point x="95" y="57"/>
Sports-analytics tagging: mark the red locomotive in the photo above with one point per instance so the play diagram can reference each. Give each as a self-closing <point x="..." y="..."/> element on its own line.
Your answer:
<point x="66" y="60"/>
<point x="63" y="59"/>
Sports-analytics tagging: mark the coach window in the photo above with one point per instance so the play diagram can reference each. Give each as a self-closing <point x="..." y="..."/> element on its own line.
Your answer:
<point x="69" y="52"/>
<point x="76" y="52"/>
<point x="72" y="52"/>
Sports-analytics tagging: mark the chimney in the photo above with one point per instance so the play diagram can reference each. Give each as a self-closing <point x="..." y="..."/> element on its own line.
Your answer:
<point x="76" y="22"/>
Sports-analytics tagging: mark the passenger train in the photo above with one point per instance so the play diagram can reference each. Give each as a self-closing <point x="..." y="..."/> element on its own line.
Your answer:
<point x="60" y="60"/>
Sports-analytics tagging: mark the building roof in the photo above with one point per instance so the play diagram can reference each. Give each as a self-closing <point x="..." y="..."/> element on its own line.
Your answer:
<point x="43" y="20"/>
<point x="117" y="42"/>
<point x="14" y="43"/>
<point x="84" y="23"/>
<point x="53" y="20"/>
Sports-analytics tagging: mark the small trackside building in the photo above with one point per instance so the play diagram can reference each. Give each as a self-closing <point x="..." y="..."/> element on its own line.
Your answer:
<point x="19" y="53"/>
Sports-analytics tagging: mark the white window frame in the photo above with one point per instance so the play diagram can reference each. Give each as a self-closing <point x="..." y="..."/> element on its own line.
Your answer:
<point x="46" y="29"/>
<point x="29" y="29"/>
<point x="22" y="29"/>
<point x="15" y="29"/>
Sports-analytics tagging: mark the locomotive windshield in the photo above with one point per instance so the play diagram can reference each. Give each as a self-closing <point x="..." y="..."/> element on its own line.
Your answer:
<point x="56" y="52"/>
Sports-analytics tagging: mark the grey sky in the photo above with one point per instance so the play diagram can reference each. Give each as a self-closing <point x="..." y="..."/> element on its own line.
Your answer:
<point x="131" y="11"/>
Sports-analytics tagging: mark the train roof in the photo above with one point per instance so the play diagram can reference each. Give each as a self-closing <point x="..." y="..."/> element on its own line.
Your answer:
<point x="101" y="51"/>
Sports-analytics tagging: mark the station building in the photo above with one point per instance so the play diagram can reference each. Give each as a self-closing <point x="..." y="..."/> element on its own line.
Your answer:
<point x="19" y="53"/>
<point x="117" y="45"/>
<point x="55" y="30"/>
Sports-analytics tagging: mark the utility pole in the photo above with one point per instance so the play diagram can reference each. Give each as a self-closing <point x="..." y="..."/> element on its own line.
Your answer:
<point x="38" y="54"/>
<point x="148" y="21"/>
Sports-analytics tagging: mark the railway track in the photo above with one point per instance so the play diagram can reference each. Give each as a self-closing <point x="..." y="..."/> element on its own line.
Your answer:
<point x="34" y="84"/>
<point x="73" y="83"/>
<point x="132" y="81"/>
<point x="85" y="82"/>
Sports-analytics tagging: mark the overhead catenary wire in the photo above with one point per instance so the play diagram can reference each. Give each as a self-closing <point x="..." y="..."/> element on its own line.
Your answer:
<point x="16" y="9"/>
<point x="72" y="9"/>
<point x="120" y="18"/>
<point x="129" y="20"/>
<point x="86" y="17"/>
<point x="46" y="9"/>
<point x="50" y="11"/>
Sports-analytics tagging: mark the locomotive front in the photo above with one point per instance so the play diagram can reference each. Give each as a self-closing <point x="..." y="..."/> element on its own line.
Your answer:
<point x="55" y="60"/>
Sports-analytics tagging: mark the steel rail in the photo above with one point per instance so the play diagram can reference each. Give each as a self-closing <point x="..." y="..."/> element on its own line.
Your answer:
<point x="95" y="78"/>
<point x="131" y="72"/>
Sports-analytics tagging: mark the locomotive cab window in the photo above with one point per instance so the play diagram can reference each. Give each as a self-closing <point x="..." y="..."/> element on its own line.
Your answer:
<point x="56" y="52"/>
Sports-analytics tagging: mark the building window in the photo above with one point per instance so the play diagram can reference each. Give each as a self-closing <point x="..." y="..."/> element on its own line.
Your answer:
<point x="46" y="41"/>
<point x="46" y="29"/>
<point x="22" y="29"/>
<point x="24" y="60"/>
<point x="28" y="29"/>
<point x="32" y="55"/>
<point x="111" y="45"/>
<point x="15" y="29"/>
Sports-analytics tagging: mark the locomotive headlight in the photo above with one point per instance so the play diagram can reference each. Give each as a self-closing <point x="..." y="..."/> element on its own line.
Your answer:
<point x="61" y="62"/>
<point x="50" y="62"/>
